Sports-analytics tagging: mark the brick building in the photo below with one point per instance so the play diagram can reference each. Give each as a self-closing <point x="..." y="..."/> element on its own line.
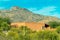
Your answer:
<point x="31" y="25"/>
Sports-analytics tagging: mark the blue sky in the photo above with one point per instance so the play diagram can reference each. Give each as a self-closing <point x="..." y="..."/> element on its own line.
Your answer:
<point x="44" y="7"/>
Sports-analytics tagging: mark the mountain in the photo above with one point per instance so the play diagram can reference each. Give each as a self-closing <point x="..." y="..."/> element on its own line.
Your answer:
<point x="17" y="14"/>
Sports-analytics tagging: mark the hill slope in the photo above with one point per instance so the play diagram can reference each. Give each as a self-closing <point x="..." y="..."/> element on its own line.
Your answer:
<point x="17" y="14"/>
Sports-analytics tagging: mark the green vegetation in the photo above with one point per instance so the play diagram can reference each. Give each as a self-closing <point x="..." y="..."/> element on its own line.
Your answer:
<point x="54" y="24"/>
<point x="23" y="33"/>
<point x="4" y="24"/>
<point x="26" y="34"/>
<point x="58" y="29"/>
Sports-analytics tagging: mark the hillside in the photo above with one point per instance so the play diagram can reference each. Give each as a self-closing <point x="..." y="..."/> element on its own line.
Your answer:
<point x="17" y="14"/>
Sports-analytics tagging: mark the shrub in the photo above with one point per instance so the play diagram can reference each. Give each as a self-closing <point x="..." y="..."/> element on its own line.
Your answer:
<point x="58" y="29"/>
<point x="54" y="24"/>
<point x="47" y="35"/>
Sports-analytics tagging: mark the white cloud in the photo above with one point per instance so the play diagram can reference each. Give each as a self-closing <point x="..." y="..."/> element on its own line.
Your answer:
<point x="45" y="10"/>
<point x="32" y="9"/>
<point x="51" y="11"/>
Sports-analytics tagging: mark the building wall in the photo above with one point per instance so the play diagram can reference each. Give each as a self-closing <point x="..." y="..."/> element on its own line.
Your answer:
<point x="18" y="24"/>
<point x="34" y="26"/>
<point x="31" y="25"/>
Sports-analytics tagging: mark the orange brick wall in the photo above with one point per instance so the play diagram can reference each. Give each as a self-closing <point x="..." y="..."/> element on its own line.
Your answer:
<point x="31" y="25"/>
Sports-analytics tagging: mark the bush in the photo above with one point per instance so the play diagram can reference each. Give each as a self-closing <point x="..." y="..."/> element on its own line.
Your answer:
<point x="12" y="35"/>
<point x="2" y="36"/>
<point x="47" y="35"/>
<point x="58" y="29"/>
<point x="54" y="24"/>
<point x="4" y="24"/>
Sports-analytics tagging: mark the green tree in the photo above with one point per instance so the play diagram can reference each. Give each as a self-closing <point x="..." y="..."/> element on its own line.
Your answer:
<point x="54" y="24"/>
<point x="4" y="24"/>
